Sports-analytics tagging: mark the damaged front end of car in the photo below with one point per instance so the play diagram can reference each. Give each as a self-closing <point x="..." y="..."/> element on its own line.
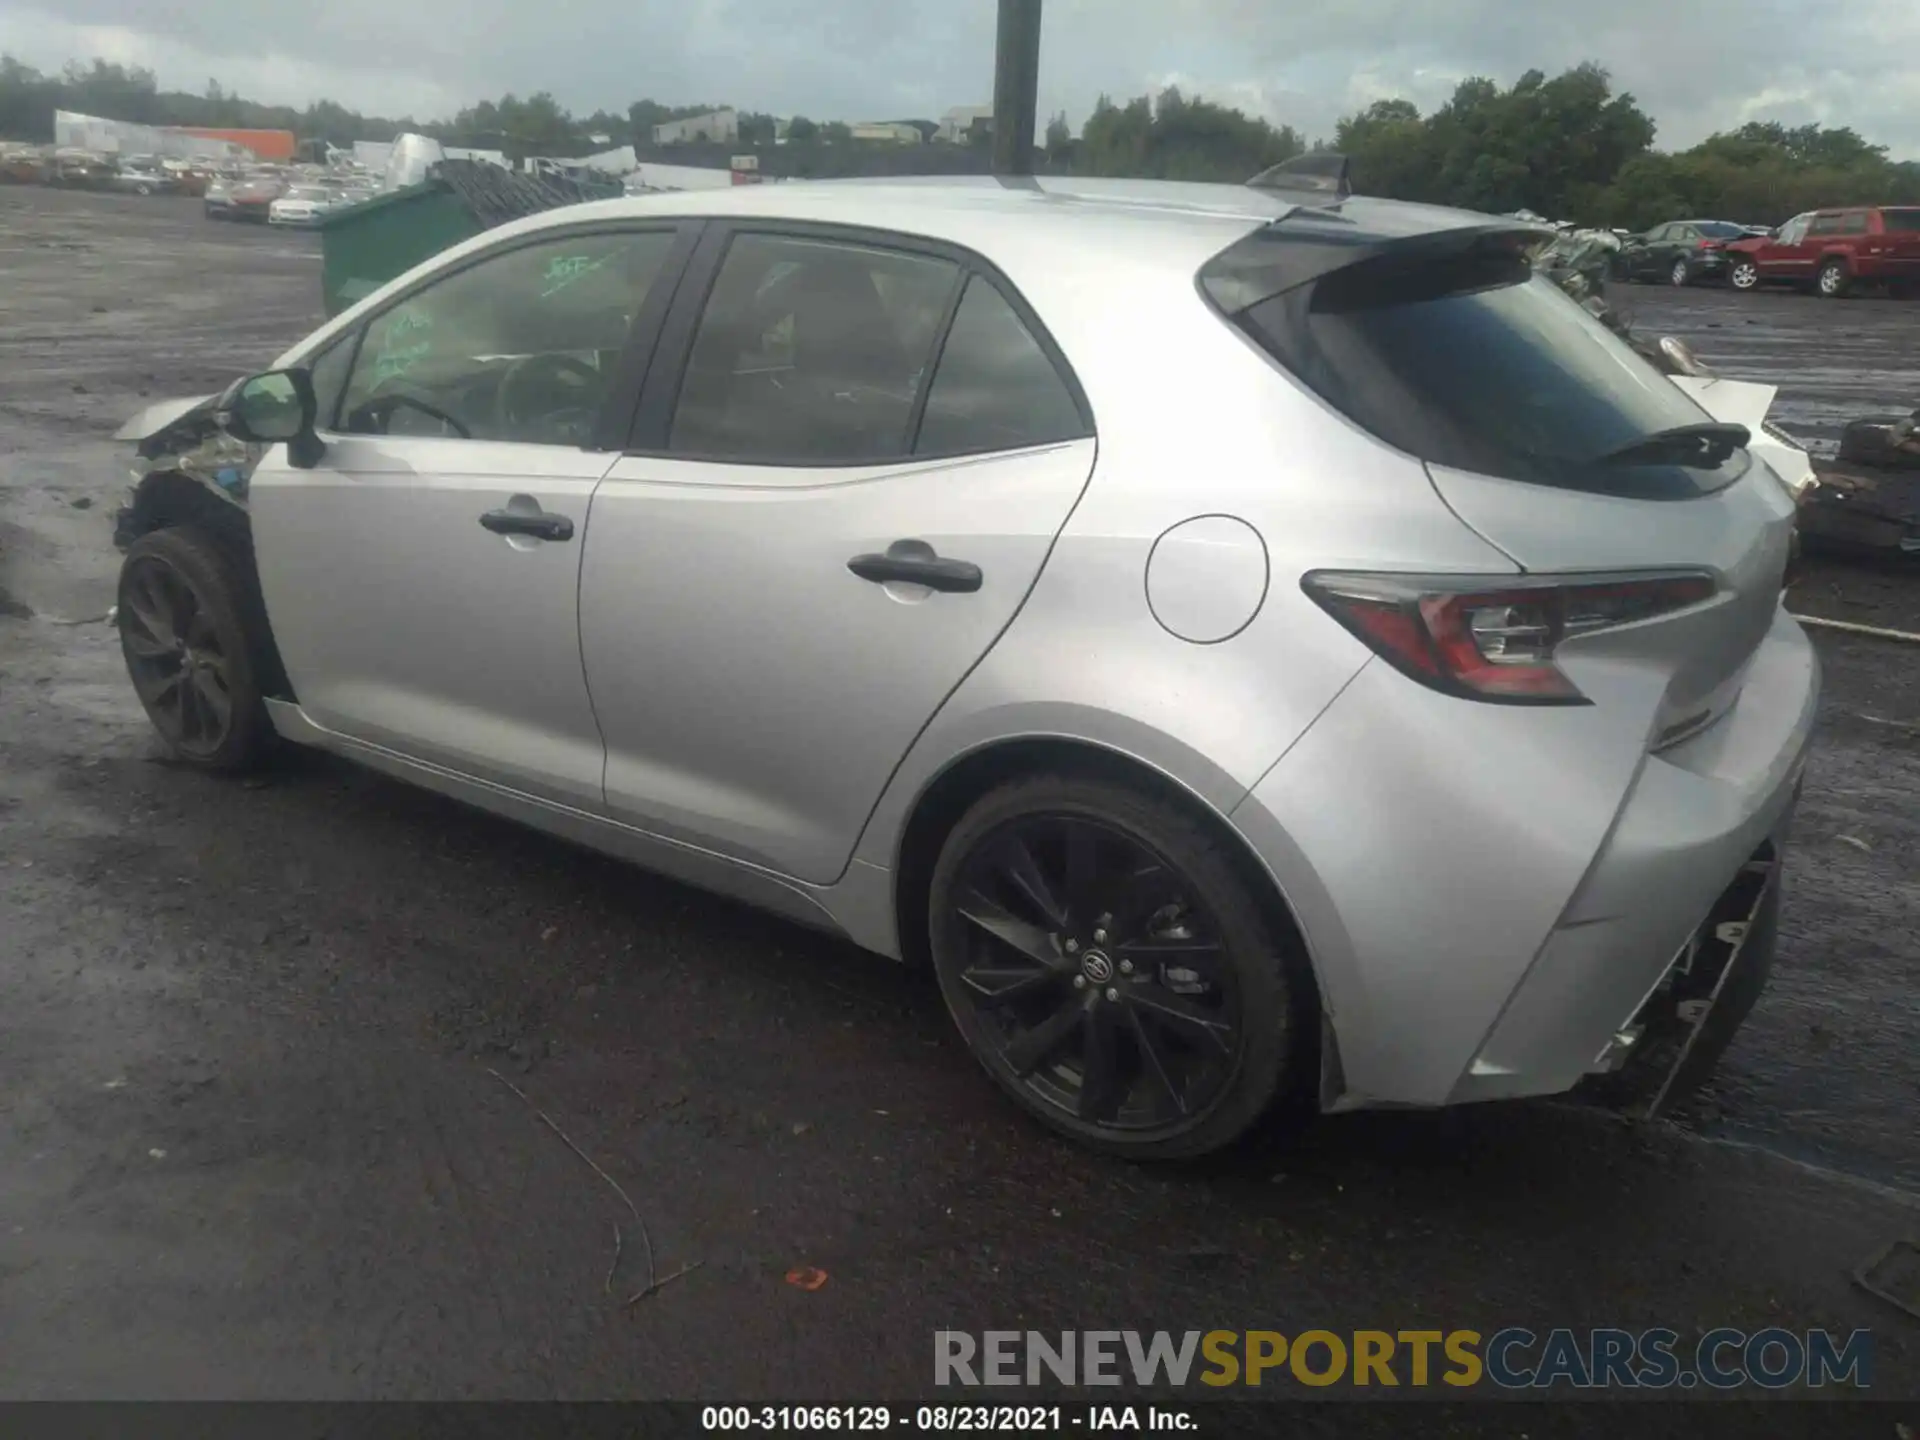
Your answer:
<point x="185" y="463"/>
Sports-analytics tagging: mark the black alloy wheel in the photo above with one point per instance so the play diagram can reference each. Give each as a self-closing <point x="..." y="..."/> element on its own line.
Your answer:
<point x="1108" y="967"/>
<point x="187" y="650"/>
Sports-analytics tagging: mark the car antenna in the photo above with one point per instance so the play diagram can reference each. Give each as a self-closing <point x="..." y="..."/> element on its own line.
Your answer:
<point x="1321" y="178"/>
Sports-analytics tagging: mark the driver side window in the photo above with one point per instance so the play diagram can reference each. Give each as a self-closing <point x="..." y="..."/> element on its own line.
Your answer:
<point x="518" y="347"/>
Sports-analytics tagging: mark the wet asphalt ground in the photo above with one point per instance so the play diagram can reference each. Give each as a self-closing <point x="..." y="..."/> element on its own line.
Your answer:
<point x="257" y="1136"/>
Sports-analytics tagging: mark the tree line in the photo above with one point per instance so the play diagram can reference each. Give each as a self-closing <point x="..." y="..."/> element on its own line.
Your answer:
<point x="1568" y="147"/>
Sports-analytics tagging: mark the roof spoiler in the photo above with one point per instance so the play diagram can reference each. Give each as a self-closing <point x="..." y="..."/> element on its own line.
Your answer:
<point x="1293" y="252"/>
<point x="1321" y="174"/>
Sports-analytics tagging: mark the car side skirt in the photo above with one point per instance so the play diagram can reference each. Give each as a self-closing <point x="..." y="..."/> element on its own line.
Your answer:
<point x="857" y="908"/>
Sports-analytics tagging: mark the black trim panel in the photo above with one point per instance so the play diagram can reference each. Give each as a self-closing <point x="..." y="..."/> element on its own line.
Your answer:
<point x="629" y="376"/>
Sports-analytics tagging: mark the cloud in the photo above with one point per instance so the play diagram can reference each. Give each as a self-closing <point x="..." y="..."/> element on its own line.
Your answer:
<point x="1695" y="66"/>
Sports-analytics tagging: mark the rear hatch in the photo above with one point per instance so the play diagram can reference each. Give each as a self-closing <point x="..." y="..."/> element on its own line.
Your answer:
<point x="1546" y="434"/>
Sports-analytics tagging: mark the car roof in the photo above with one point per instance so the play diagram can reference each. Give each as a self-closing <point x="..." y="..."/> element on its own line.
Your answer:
<point x="1160" y="222"/>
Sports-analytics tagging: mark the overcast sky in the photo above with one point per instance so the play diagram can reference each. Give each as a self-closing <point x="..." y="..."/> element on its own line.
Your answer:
<point x="1695" y="65"/>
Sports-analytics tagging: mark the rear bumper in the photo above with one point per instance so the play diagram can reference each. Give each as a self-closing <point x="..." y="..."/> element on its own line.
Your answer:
<point x="1485" y="919"/>
<point x="1678" y="1035"/>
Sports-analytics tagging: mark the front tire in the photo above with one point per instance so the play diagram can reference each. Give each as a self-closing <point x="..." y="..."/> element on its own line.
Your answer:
<point x="1109" y="966"/>
<point x="1832" y="280"/>
<point x="1745" y="275"/>
<point x="183" y="634"/>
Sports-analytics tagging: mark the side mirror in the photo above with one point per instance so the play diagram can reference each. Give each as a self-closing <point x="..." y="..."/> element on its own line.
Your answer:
<point x="273" y="407"/>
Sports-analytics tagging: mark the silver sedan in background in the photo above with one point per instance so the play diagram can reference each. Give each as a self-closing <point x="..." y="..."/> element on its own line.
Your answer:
<point x="1255" y="644"/>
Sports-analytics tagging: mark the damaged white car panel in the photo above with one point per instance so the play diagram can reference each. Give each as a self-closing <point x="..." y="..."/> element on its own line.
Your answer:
<point x="1745" y="402"/>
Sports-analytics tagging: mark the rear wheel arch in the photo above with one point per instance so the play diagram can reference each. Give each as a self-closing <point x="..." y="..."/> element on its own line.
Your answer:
<point x="957" y="788"/>
<point x="1308" y="1065"/>
<point x="165" y="499"/>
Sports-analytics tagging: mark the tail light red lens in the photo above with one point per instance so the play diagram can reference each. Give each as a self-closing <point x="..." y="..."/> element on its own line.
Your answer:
<point x="1496" y="640"/>
<point x="1713" y="244"/>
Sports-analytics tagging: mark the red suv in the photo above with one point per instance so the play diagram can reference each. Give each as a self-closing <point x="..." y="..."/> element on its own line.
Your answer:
<point x="1828" y="250"/>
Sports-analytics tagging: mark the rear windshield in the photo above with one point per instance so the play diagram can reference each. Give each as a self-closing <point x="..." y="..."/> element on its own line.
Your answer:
<point x="1474" y="363"/>
<point x="1905" y="222"/>
<point x="1720" y="230"/>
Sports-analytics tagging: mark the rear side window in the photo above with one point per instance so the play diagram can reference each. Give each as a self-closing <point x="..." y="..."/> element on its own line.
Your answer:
<point x="994" y="388"/>
<point x="1901" y="222"/>
<point x="1854" y="224"/>
<point x="1825" y="225"/>
<point x="1471" y="362"/>
<point x="811" y="352"/>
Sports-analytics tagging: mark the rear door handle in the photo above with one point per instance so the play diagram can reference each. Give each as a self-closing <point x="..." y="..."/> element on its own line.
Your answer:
<point x="913" y="562"/>
<point x="540" y="524"/>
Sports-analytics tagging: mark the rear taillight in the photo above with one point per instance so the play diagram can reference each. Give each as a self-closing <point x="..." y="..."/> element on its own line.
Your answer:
<point x="1495" y="639"/>
<point x="1713" y="244"/>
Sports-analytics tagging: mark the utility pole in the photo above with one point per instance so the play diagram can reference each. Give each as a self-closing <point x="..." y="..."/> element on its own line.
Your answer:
<point x="1016" y="86"/>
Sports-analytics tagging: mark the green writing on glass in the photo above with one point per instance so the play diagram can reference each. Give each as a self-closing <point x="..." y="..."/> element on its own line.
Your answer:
<point x="564" y="270"/>
<point x="395" y="356"/>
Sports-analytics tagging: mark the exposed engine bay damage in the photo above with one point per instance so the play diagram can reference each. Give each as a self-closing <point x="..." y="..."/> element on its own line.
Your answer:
<point x="179" y="441"/>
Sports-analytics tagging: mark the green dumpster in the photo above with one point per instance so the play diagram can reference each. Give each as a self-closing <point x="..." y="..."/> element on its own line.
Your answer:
<point x="366" y="245"/>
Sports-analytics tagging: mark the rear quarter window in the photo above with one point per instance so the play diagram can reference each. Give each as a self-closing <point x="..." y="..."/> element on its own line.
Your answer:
<point x="994" y="388"/>
<point x="1901" y="222"/>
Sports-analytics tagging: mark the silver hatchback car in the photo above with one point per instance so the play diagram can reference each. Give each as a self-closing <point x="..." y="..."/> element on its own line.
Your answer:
<point x="1253" y="642"/>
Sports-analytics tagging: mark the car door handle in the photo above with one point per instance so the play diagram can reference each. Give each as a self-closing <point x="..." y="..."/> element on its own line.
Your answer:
<point x="540" y="524"/>
<point x="914" y="562"/>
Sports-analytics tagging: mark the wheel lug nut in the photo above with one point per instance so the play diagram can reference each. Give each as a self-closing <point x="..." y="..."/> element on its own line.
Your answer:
<point x="1113" y="994"/>
<point x="1079" y="982"/>
<point x="1099" y="937"/>
<point x="1126" y="967"/>
<point x="1073" y="947"/>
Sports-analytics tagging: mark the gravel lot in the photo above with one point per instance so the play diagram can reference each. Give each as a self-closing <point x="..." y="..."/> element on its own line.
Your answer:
<point x="254" y="1135"/>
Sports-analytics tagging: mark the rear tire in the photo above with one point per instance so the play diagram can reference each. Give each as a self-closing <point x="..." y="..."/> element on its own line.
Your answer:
<point x="1831" y="282"/>
<point x="184" y="636"/>
<point x="1149" y="1030"/>
<point x="1680" y="273"/>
